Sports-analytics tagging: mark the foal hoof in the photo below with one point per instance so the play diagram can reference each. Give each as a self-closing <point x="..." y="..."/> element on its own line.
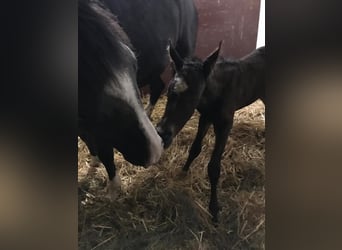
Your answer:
<point x="112" y="196"/>
<point x="214" y="211"/>
<point x="113" y="188"/>
<point x="215" y="220"/>
<point x="181" y="174"/>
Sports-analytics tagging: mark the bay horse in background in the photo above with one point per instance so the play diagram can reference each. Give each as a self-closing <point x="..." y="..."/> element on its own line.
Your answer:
<point x="216" y="88"/>
<point x="110" y="112"/>
<point x="149" y="24"/>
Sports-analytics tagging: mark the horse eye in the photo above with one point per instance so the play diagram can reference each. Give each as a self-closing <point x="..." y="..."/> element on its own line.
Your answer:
<point x="172" y="91"/>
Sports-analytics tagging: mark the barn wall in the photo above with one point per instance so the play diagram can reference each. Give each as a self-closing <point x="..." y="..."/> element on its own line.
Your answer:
<point x="234" y="21"/>
<point x="261" y="26"/>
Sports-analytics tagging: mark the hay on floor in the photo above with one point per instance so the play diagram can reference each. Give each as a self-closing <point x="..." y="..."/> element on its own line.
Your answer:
<point x="158" y="209"/>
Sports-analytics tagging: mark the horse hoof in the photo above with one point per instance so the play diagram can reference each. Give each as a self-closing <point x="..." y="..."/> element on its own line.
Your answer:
<point x="113" y="188"/>
<point x="112" y="196"/>
<point x="181" y="174"/>
<point x="215" y="221"/>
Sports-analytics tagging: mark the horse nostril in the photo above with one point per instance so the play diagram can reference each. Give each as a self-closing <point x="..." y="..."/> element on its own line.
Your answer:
<point x="159" y="131"/>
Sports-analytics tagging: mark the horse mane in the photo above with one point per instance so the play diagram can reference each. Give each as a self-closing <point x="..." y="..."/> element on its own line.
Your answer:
<point x="101" y="40"/>
<point x="234" y="64"/>
<point x="241" y="64"/>
<point x="193" y="62"/>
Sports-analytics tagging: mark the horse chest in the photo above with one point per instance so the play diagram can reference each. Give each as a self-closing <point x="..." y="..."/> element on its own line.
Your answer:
<point x="207" y="105"/>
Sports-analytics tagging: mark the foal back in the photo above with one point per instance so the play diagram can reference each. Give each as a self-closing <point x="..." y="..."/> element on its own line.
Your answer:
<point x="240" y="82"/>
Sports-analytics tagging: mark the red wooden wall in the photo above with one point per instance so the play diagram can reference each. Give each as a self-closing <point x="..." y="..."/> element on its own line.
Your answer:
<point x="234" y="21"/>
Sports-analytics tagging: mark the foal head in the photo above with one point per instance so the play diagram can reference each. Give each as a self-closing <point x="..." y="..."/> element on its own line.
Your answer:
<point x="184" y="92"/>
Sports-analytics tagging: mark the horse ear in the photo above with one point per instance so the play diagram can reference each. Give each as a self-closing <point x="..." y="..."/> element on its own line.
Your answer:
<point x="210" y="61"/>
<point x="177" y="60"/>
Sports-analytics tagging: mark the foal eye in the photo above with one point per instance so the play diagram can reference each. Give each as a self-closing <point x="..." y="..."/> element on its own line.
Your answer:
<point x="170" y="89"/>
<point x="173" y="89"/>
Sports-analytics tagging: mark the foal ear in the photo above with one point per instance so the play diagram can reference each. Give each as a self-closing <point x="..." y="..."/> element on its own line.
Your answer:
<point x="210" y="61"/>
<point x="177" y="60"/>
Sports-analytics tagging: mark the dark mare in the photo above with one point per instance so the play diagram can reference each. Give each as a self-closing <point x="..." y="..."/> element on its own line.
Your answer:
<point x="149" y="24"/>
<point x="110" y="113"/>
<point x="216" y="88"/>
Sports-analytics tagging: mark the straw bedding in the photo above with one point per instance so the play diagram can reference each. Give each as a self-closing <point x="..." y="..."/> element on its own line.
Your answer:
<point x="160" y="209"/>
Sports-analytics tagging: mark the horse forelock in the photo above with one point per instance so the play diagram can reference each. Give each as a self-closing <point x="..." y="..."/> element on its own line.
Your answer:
<point x="112" y="21"/>
<point x="194" y="63"/>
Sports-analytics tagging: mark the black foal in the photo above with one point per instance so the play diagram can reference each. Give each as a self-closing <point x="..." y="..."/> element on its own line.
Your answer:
<point x="216" y="88"/>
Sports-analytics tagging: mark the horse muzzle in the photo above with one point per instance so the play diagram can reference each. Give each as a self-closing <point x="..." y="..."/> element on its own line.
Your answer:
<point x="166" y="136"/>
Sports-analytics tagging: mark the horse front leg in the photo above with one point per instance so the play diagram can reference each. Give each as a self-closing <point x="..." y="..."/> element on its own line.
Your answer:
<point x="156" y="88"/>
<point x="222" y="129"/>
<point x="106" y="155"/>
<point x="91" y="145"/>
<point x="196" y="147"/>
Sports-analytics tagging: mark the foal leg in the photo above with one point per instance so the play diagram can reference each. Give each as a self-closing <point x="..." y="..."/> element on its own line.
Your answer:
<point x="156" y="87"/>
<point x="106" y="155"/>
<point x="196" y="147"/>
<point x="222" y="129"/>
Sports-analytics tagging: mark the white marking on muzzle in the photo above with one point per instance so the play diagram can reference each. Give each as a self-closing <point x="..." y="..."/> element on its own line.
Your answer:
<point x="127" y="92"/>
<point x="154" y="140"/>
<point x="128" y="49"/>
